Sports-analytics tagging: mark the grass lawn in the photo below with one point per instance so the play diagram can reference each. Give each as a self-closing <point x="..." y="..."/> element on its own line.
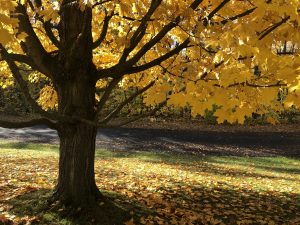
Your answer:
<point x="157" y="188"/>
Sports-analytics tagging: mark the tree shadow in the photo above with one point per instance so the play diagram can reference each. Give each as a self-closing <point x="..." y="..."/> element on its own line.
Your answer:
<point x="230" y="205"/>
<point x="179" y="202"/>
<point x="34" y="206"/>
<point x="259" y="163"/>
<point x="216" y="166"/>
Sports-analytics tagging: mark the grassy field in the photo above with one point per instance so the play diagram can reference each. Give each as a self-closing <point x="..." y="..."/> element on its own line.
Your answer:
<point x="157" y="188"/>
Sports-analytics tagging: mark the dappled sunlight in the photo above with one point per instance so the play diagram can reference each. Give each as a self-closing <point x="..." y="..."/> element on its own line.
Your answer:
<point x="168" y="188"/>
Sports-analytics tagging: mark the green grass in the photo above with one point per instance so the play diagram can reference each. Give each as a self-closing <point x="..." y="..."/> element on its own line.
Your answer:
<point x="159" y="186"/>
<point x="38" y="149"/>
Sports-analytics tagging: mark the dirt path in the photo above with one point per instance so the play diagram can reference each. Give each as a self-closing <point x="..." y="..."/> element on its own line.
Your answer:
<point x="236" y="141"/>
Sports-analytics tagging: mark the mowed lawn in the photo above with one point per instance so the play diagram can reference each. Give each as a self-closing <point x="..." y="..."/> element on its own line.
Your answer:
<point x="157" y="188"/>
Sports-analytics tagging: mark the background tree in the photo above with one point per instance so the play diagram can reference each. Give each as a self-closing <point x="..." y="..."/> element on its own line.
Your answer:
<point x="230" y="54"/>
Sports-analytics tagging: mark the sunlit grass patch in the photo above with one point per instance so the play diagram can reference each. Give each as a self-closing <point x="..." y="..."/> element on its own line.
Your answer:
<point x="27" y="149"/>
<point x="165" y="188"/>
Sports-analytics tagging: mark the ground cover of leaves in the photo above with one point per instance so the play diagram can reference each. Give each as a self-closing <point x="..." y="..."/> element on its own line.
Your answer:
<point x="158" y="188"/>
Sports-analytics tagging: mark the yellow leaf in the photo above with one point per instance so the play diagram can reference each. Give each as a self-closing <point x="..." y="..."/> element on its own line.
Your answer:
<point x="5" y="36"/>
<point x="129" y="222"/>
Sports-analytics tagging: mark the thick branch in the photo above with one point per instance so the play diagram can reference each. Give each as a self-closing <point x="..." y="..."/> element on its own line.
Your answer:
<point x="48" y="28"/>
<point x="32" y="45"/>
<point x="10" y="123"/>
<point x="22" y="59"/>
<point x="21" y="82"/>
<point x="122" y="68"/>
<point x="166" y="29"/>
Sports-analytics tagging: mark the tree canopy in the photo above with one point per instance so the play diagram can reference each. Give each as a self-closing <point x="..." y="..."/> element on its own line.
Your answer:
<point x="239" y="55"/>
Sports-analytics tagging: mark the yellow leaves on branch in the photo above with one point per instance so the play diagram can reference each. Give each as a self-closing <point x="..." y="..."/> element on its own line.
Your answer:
<point x="157" y="94"/>
<point x="293" y="98"/>
<point x="5" y="36"/>
<point x="6" y="79"/>
<point x="225" y="54"/>
<point x="48" y="98"/>
<point x="7" y="22"/>
<point x="49" y="14"/>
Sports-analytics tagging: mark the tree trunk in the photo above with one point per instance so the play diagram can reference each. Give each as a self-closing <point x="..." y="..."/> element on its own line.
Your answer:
<point x="76" y="99"/>
<point x="76" y="181"/>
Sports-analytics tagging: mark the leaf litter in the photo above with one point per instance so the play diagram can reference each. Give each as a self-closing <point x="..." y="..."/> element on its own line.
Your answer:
<point x="207" y="190"/>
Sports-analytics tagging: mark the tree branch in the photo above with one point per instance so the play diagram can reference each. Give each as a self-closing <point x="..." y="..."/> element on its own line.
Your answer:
<point x="124" y="103"/>
<point x="246" y="13"/>
<point x="121" y="68"/>
<point x="247" y="83"/>
<point x="141" y="30"/>
<point x="102" y="36"/>
<point x="159" y="60"/>
<point x="216" y="10"/>
<point x="106" y="95"/>
<point x="50" y="34"/>
<point x="100" y="3"/>
<point x="278" y="84"/>
<point x="151" y="113"/>
<point x="152" y="42"/>
<point x="32" y="45"/>
<point x="273" y="27"/>
<point x="21" y="82"/>
<point x="22" y="59"/>
<point x="22" y="123"/>
<point x="46" y="24"/>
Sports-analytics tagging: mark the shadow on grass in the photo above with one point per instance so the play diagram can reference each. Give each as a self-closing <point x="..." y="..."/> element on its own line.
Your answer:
<point x="162" y="156"/>
<point x="210" y="164"/>
<point x="271" y="164"/>
<point x="179" y="200"/>
<point x="35" y="205"/>
<point x="231" y="205"/>
<point x="196" y="205"/>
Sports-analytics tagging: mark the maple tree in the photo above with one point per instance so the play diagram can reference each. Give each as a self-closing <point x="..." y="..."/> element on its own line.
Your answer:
<point x="238" y="55"/>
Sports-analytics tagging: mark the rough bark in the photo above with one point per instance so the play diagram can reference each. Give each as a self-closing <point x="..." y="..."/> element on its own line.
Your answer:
<point x="76" y="181"/>
<point x="76" y="99"/>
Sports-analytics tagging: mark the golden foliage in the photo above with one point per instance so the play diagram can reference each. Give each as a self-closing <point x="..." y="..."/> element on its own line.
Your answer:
<point x="232" y="61"/>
